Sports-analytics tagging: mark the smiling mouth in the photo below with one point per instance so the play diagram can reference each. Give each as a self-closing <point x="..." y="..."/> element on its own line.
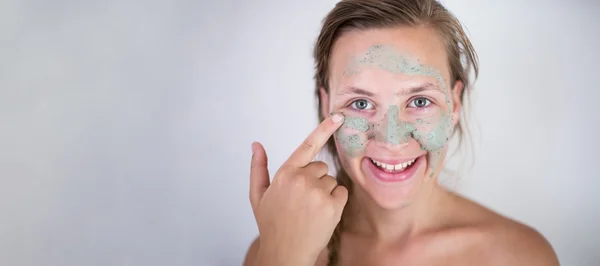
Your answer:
<point x="393" y="168"/>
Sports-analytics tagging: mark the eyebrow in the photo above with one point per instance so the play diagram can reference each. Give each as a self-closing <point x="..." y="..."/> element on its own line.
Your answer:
<point x="409" y="91"/>
<point x="421" y="88"/>
<point x="355" y="90"/>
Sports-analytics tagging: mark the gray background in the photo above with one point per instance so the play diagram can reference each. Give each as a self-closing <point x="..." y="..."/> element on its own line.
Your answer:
<point x="125" y="127"/>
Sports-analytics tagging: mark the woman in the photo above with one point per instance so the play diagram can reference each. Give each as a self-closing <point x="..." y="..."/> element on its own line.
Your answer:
<point x="391" y="78"/>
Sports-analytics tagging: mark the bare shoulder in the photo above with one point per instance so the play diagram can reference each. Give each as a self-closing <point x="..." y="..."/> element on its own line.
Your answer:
<point x="499" y="240"/>
<point x="252" y="253"/>
<point x="516" y="244"/>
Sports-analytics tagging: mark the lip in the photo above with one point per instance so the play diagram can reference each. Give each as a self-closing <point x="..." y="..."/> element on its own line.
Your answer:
<point x="386" y="177"/>
<point x="393" y="161"/>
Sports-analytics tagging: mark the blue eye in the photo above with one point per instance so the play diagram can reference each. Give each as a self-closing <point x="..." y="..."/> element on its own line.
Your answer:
<point x="362" y="104"/>
<point x="419" y="102"/>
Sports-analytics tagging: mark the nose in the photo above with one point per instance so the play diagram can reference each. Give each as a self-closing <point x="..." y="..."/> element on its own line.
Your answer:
<point x="392" y="131"/>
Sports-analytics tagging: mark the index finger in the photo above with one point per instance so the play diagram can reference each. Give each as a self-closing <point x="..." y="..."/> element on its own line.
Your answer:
<point x="311" y="146"/>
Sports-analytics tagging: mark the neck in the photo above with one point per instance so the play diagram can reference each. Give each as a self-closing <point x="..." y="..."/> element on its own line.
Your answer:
<point x="365" y="217"/>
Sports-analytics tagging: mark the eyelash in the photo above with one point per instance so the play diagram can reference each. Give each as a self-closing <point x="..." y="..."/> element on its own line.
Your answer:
<point x="428" y="104"/>
<point x="358" y="109"/>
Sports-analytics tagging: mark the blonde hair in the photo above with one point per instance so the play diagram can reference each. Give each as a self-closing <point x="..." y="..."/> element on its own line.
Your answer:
<point x="349" y="15"/>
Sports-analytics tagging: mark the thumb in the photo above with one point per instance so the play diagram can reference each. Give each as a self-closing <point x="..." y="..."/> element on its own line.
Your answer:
<point x="259" y="174"/>
<point x="340" y="195"/>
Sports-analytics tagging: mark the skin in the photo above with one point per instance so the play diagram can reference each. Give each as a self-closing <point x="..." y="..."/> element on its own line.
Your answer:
<point x="416" y="222"/>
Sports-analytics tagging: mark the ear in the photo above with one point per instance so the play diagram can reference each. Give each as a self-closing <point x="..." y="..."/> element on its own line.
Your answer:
<point x="456" y="100"/>
<point x="324" y="100"/>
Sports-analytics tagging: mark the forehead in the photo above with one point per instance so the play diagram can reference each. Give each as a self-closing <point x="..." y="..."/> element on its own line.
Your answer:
<point x="419" y="42"/>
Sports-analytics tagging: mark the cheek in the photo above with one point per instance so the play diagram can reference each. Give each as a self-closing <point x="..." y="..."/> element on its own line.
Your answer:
<point x="350" y="143"/>
<point x="433" y="134"/>
<point x="351" y="138"/>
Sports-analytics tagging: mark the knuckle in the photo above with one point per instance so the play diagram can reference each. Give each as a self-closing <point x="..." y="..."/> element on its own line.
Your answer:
<point x="319" y="168"/>
<point x="278" y="174"/>
<point x="330" y="180"/>
<point x="319" y="163"/>
<point x="316" y="194"/>
<point x="308" y="145"/>
<point x="323" y="166"/>
<point x="284" y="169"/>
<point x="284" y="172"/>
<point x="301" y="175"/>
<point x="300" y="180"/>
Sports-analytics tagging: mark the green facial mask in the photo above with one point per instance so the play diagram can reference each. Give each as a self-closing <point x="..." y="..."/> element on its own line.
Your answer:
<point x="432" y="132"/>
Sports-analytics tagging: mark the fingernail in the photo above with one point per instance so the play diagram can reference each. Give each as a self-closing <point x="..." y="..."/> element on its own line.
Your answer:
<point x="253" y="147"/>
<point x="337" y="118"/>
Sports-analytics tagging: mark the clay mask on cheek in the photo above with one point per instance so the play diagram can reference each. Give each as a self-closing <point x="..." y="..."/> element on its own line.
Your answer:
<point x="432" y="133"/>
<point x="352" y="136"/>
<point x="355" y="131"/>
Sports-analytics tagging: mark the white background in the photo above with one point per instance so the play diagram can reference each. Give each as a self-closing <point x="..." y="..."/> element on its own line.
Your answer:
<point x="125" y="128"/>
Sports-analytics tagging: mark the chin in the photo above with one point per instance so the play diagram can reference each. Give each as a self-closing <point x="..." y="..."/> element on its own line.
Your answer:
<point x="390" y="183"/>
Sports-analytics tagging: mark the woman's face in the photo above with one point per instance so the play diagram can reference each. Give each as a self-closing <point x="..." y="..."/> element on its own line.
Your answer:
<point x="393" y="86"/>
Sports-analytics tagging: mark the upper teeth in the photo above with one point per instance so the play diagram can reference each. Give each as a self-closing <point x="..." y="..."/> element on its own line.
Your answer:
<point x="391" y="167"/>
